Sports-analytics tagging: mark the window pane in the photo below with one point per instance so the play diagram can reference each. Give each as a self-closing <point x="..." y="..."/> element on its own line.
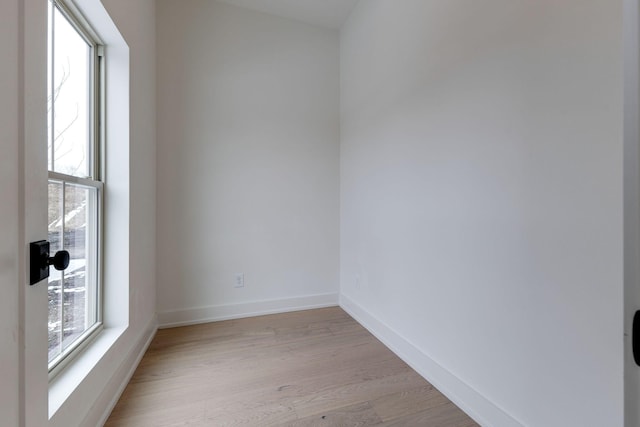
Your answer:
<point x="72" y="293"/>
<point x="55" y="276"/>
<point x="70" y="101"/>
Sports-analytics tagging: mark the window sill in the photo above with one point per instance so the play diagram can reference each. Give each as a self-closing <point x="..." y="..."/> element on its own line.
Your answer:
<point x="66" y="382"/>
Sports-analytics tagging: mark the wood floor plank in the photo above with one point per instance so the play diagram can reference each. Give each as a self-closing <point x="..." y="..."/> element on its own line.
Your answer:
<point x="337" y="397"/>
<point x="359" y="415"/>
<point x="408" y="402"/>
<point x="308" y="368"/>
<point x="250" y="414"/>
<point x="446" y="415"/>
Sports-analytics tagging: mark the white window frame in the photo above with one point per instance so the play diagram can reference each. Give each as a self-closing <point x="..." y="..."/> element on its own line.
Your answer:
<point x="96" y="173"/>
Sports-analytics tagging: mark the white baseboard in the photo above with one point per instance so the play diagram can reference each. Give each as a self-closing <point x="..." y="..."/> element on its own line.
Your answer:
<point x="123" y="375"/>
<point x="478" y="407"/>
<point x="192" y="316"/>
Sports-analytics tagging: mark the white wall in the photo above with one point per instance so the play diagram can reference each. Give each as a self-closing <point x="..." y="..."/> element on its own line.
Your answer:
<point x="631" y="205"/>
<point x="481" y="198"/>
<point x="9" y="219"/>
<point x="248" y="148"/>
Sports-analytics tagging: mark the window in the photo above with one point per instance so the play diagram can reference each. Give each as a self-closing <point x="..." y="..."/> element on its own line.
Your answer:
<point x="75" y="187"/>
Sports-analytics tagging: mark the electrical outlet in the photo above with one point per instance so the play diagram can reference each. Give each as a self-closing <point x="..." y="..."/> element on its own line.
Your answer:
<point x="239" y="283"/>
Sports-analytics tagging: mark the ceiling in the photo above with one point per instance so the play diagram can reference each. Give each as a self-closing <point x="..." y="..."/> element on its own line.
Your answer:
<point x="325" y="13"/>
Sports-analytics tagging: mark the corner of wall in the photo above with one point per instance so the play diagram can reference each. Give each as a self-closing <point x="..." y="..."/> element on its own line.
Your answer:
<point x="477" y="406"/>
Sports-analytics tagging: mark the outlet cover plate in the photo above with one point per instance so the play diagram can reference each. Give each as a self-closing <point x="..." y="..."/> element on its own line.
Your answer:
<point x="239" y="283"/>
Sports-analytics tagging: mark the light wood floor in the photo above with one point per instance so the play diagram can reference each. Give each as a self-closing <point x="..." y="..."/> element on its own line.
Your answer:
<point x="308" y="368"/>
